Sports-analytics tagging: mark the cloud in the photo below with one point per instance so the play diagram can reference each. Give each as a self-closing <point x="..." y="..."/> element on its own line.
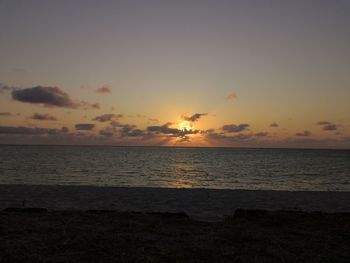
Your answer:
<point x="108" y="132"/>
<point x="231" y="97"/>
<point x="84" y="126"/>
<point x="133" y="133"/>
<point x="47" y="96"/>
<point x="165" y="129"/>
<point x="107" y="117"/>
<point x="87" y="105"/>
<point x="235" y="138"/>
<point x="124" y="130"/>
<point x="5" y="88"/>
<point x="261" y="134"/>
<point x="43" y="117"/>
<point x="6" y="114"/>
<point x="195" y="117"/>
<point x="328" y="126"/>
<point x="27" y="130"/>
<point x="152" y="120"/>
<point x="64" y="129"/>
<point x="104" y="89"/>
<point x="274" y="125"/>
<point x="303" y="134"/>
<point x="235" y="128"/>
<point x="323" y="123"/>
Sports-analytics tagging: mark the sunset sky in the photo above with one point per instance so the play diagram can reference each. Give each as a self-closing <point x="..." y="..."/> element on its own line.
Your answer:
<point x="244" y="73"/>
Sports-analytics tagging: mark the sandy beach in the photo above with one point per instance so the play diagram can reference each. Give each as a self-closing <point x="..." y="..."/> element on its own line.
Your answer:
<point x="116" y="224"/>
<point x="199" y="204"/>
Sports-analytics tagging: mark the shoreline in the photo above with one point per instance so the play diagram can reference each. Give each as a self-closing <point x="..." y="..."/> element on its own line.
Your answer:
<point x="181" y="147"/>
<point x="198" y="203"/>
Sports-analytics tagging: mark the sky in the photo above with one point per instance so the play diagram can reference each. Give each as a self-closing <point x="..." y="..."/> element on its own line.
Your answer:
<point x="207" y="73"/>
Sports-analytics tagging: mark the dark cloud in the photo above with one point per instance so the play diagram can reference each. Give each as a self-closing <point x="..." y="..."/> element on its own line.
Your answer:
<point x="207" y="131"/>
<point x="43" y="117"/>
<point x="165" y="129"/>
<point x="84" y="126"/>
<point x="47" y="96"/>
<point x="104" y="89"/>
<point x="108" y="132"/>
<point x="133" y="133"/>
<point x="116" y="124"/>
<point x="235" y="128"/>
<point x="64" y="129"/>
<point x="232" y="96"/>
<point x="107" y="117"/>
<point x="126" y="130"/>
<point x="261" y="134"/>
<point x="27" y="130"/>
<point x="303" y="134"/>
<point x="195" y="117"/>
<point x="6" y="114"/>
<point x="274" y="125"/>
<point x="328" y="126"/>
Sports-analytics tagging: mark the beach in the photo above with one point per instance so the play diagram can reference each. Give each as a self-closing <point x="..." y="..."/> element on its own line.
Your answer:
<point x="40" y="223"/>
<point x="198" y="204"/>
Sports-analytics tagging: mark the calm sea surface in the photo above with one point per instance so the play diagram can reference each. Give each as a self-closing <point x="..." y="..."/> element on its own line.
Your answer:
<point x="277" y="169"/>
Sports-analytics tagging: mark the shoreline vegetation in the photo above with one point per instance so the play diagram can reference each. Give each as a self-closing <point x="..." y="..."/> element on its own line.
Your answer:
<point x="41" y="235"/>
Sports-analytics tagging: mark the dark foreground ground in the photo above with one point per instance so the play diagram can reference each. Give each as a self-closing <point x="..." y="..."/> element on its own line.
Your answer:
<point x="102" y="236"/>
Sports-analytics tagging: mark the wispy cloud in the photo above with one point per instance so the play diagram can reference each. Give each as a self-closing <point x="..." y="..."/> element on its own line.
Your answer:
<point x="327" y="126"/>
<point x="261" y="134"/>
<point x="303" y="134"/>
<point x="43" y="117"/>
<point x="104" y="89"/>
<point x="28" y="130"/>
<point x="231" y="97"/>
<point x="108" y="117"/>
<point x="235" y="128"/>
<point x="84" y="126"/>
<point x="5" y="88"/>
<point x="6" y="114"/>
<point x="195" y="117"/>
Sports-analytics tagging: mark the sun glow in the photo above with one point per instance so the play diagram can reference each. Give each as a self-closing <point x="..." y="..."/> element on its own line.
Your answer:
<point x="185" y="125"/>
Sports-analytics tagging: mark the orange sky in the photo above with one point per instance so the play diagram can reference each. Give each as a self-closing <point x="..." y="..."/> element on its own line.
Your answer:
<point x="205" y="73"/>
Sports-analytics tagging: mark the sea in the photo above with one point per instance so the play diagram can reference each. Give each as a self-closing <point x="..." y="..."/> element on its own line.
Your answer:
<point x="171" y="167"/>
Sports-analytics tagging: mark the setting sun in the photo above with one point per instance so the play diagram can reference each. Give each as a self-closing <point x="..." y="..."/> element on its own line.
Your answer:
<point x="185" y="125"/>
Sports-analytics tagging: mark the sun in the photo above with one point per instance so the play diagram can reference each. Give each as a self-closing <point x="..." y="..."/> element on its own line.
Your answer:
<point x="185" y="125"/>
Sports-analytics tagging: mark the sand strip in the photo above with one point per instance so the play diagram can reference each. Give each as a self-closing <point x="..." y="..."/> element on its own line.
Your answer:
<point x="200" y="204"/>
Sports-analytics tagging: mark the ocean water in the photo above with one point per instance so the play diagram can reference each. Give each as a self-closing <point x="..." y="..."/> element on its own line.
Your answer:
<point x="223" y="168"/>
